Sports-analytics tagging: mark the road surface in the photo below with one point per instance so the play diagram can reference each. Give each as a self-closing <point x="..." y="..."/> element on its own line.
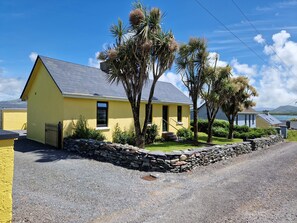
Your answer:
<point x="56" y="186"/>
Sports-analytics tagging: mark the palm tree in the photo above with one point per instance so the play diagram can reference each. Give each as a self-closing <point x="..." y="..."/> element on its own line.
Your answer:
<point x="215" y="93"/>
<point x="146" y="48"/>
<point x="238" y="97"/>
<point x="191" y="63"/>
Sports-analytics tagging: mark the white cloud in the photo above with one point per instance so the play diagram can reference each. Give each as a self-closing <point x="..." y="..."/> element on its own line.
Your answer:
<point x="93" y="61"/>
<point x="212" y="58"/>
<point x="246" y="70"/>
<point x="174" y="79"/>
<point x="259" y="39"/>
<point x="10" y="88"/>
<point x="33" y="56"/>
<point x="277" y="85"/>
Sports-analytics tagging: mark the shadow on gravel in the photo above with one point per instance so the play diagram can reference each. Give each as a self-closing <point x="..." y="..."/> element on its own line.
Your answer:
<point x="45" y="152"/>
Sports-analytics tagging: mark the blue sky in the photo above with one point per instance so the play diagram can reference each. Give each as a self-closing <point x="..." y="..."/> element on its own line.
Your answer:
<point x="75" y="30"/>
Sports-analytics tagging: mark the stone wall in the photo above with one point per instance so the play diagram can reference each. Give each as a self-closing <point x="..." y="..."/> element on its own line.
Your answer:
<point x="176" y="161"/>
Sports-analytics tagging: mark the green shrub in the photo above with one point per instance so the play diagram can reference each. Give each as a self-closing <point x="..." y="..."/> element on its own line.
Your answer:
<point x="185" y="134"/>
<point x="95" y="134"/>
<point x="151" y="134"/>
<point x="241" y="129"/>
<point x="203" y="124"/>
<point x="220" y="132"/>
<point x="255" y="133"/>
<point x="81" y="131"/>
<point x="123" y="136"/>
<point x="238" y="135"/>
<point x="221" y="124"/>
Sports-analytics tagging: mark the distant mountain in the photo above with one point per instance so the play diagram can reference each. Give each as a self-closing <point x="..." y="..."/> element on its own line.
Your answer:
<point x="285" y="109"/>
<point x="260" y="109"/>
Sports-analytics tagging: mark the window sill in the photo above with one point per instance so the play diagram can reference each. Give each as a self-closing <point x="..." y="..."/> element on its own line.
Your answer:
<point x="179" y="123"/>
<point x="102" y="128"/>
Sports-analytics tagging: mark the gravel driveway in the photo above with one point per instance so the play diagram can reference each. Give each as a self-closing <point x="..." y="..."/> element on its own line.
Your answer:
<point x="56" y="186"/>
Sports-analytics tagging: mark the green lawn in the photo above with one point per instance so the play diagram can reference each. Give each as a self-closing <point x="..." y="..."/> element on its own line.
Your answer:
<point x="169" y="146"/>
<point x="292" y="136"/>
<point x="202" y="137"/>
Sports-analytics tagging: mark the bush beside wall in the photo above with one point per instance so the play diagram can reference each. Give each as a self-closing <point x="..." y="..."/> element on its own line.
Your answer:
<point x="178" y="161"/>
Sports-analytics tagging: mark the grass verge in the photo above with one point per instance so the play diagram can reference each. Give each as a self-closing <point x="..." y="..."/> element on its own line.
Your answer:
<point x="292" y="136"/>
<point x="202" y="137"/>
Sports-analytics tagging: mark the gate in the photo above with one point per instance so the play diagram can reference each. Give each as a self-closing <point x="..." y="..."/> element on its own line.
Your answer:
<point x="53" y="135"/>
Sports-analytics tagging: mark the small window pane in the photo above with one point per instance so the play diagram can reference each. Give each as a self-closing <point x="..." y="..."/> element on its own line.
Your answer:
<point x="102" y="114"/>
<point x="179" y="113"/>
<point x="102" y="105"/>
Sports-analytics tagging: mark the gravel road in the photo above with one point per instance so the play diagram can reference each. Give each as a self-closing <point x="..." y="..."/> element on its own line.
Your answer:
<point x="56" y="186"/>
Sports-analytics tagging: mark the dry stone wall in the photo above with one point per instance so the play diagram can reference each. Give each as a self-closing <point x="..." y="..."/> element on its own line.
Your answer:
<point x="176" y="161"/>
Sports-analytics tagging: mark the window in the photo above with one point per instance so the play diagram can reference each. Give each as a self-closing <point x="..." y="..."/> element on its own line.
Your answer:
<point x="253" y="119"/>
<point x="236" y="119"/>
<point x="102" y="114"/>
<point x="150" y="119"/>
<point x="179" y="113"/>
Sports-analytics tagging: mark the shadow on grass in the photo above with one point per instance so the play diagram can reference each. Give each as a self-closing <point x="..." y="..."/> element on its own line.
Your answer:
<point x="45" y="153"/>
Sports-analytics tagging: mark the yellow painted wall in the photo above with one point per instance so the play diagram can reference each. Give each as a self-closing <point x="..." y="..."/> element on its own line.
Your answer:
<point x="261" y="123"/>
<point x="118" y="112"/>
<point x="45" y="103"/>
<point x="14" y="119"/>
<point x="172" y="113"/>
<point x="73" y="108"/>
<point x="6" y="178"/>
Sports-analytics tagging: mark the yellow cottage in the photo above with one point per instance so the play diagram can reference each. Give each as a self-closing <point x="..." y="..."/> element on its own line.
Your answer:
<point x="59" y="91"/>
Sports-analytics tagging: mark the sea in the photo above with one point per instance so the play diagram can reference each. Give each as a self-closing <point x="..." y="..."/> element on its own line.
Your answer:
<point x="284" y="118"/>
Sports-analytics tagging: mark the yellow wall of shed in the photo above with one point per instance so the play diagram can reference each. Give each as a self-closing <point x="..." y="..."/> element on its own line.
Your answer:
<point x="261" y="123"/>
<point x="45" y="104"/>
<point x="6" y="178"/>
<point x="14" y="119"/>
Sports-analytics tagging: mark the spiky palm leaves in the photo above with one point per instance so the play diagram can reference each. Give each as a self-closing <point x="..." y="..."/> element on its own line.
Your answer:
<point x="191" y="64"/>
<point x="239" y="96"/>
<point x="139" y="49"/>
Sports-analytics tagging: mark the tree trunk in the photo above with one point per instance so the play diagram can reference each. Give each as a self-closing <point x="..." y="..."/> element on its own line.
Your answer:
<point x="140" y="141"/>
<point x="139" y="137"/>
<point x="231" y="128"/>
<point x="195" y="123"/>
<point x="209" y="131"/>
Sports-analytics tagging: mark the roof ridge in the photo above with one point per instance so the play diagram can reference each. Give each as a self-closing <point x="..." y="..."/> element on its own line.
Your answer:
<point x="41" y="56"/>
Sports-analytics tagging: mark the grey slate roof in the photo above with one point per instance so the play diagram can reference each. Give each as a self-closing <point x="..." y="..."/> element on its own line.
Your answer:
<point x="13" y="104"/>
<point x="89" y="81"/>
<point x="270" y="119"/>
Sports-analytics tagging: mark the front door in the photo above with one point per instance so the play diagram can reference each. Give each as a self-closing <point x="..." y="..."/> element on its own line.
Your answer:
<point x="165" y="118"/>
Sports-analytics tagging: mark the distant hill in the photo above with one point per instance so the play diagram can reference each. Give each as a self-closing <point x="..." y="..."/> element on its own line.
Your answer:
<point x="285" y="109"/>
<point x="260" y="109"/>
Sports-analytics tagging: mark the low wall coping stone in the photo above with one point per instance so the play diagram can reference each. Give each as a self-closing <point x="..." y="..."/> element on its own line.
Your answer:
<point x="8" y="135"/>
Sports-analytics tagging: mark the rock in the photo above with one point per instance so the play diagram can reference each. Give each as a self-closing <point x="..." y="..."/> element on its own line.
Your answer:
<point x="183" y="157"/>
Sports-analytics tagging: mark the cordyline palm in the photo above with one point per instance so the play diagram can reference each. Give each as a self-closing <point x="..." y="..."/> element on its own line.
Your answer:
<point x="238" y="97"/>
<point x="191" y="63"/>
<point x="146" y="49"/>
<point x="214" y="93"/>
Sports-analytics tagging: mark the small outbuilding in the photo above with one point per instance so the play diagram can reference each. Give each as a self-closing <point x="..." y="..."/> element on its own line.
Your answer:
<point x="266" y="120"/>
<point x="13" y="115"/>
